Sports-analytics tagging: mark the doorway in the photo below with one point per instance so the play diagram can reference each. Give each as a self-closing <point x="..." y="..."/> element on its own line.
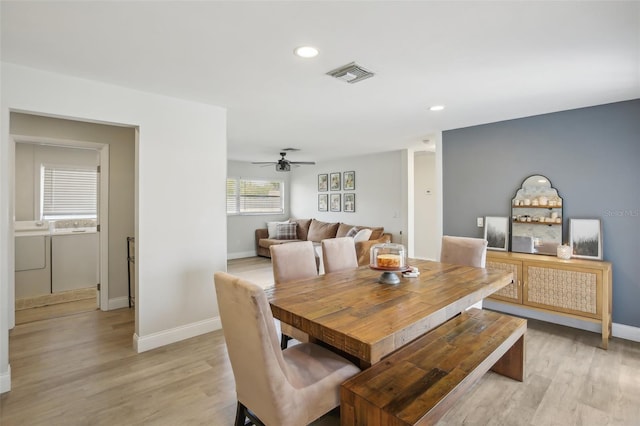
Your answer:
<point x="114" y="147"/>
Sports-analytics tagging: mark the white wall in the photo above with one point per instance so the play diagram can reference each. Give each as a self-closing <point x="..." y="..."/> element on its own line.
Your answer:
<point x="379" y="199"/>
<point x="241" y="229"/>
<point x="180" y="196"/>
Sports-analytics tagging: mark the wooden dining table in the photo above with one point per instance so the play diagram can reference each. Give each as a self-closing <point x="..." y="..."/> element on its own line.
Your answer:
<point x="354" y="313"/>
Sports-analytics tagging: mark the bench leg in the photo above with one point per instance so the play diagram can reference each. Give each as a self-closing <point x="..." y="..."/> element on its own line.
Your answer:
<point x="512" y="362"/>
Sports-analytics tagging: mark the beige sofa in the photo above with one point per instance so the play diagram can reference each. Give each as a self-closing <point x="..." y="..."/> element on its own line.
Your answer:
<point x="316" y="231"/>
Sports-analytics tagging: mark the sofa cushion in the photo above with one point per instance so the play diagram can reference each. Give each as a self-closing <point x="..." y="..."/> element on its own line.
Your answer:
<point x="343" y="229"/>
<point x="271" y="227"/>
<point x="319" y="231"/>
<point x="286" y="231"/>
<point x="303" y="228"/>
<point x="376" y="232"/>
<point x="268" y="242"/>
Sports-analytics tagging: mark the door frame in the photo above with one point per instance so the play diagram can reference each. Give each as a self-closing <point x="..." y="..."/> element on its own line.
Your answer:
<point x="103" y="213"/>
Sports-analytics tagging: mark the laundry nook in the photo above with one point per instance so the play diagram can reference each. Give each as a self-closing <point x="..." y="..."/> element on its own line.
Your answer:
<point x="55" y="261"/>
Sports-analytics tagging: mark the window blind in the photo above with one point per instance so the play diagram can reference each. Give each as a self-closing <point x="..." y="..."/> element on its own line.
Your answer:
<point x="69" y="192"/>
<point x="252" y="196"/>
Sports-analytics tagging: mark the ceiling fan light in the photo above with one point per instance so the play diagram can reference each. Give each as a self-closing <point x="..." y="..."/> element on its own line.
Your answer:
<point x="436" y="108"/>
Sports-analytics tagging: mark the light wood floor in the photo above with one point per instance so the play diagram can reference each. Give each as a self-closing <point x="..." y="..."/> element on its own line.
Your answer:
<point x="81" y="369"/>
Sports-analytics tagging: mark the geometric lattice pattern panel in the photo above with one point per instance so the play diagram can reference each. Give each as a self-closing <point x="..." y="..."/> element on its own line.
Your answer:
<point x="510" y="291"/>
<point x="564" y="289"/>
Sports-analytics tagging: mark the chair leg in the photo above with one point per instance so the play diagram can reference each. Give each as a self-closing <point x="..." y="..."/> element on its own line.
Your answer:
<point x="243" y="414"/>
<point x="284" y="341"/>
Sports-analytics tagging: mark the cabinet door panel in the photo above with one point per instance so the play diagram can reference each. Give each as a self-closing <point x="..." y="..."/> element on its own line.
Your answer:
<point x="563" y="289"/>
<point x="512" y="292"/>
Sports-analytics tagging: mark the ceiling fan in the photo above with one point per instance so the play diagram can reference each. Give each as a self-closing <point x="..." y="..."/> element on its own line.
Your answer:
<point x="284" y="165"/>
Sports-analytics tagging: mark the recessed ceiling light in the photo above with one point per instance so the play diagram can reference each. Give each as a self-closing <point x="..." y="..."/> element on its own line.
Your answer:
<point x="306" y="51"/>
<point x="436" y="108"/>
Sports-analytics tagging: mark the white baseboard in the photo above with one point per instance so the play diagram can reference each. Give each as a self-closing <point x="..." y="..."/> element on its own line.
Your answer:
<point x="627" y="332"/>
<point x="166" y="337"/>
<point x="118" y="303"/>
<point x="622" y="331"/>
<point x="5" y="380"/>
<point x="241" y="254"/>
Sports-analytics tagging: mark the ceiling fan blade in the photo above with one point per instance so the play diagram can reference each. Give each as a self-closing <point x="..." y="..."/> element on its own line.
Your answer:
<point x="303" y="162"/>
<point x="264" y="162"/>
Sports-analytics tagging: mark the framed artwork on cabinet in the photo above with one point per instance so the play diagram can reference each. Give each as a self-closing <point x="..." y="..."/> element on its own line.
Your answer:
<point x="585" y="238"/>
<point x="496" y="232"/>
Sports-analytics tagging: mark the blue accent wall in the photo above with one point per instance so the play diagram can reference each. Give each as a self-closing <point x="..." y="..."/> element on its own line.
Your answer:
<point x="591" y="155"/>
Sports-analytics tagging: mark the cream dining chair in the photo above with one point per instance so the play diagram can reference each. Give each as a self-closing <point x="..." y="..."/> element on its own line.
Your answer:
<point x="339" y="254"/>
<point x="464" y="251"/>
<point x="290" y="388"/>
<point x="293" y="261"/>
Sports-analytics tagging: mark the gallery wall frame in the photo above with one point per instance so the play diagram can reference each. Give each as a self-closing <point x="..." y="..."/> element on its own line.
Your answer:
<point x="323" y="202"/>
<point x="323" y="182"/>
<point x="349" y="181"/>
<point x="349" y="202"/>
<point x="335" y="181"/>
<point x="335" y="202"/>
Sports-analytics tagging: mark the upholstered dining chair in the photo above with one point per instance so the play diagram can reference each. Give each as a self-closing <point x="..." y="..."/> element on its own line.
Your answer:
<point x="274" y="387"/>
<point x="339" y="254"/>
<point x="464" y="251"/>
<point x="293" y="261"/>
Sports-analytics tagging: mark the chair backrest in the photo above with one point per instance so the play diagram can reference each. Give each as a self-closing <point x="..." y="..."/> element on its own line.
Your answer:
<point x="293" y="261"/>
<point x="262" y="378"/>
<point x="464" y="251"/>
<point x="339" y="254"/>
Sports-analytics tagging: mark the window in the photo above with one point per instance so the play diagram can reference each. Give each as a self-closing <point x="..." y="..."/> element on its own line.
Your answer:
<point x="68" y="192"/>
<point x="246" y="196"/>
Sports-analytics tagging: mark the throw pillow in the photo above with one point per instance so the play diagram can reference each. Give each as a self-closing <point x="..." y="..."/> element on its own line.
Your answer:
<point x="363" y="235"/>
<point x="352" y="232"/>
<point x="319" y="230"/>
<point x="303" y="228"/>
<point x="271" y="227"/>
<point x="286" y="231"/>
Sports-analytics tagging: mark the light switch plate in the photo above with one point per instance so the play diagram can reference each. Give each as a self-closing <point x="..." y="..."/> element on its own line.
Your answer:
<point x="480" y="222"/>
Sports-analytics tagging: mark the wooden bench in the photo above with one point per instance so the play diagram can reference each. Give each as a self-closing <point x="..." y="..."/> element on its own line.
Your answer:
<point x="419" y="383"/>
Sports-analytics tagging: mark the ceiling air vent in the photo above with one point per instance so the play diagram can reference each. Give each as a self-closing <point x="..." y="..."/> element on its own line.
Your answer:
<point x="351" y="73"/>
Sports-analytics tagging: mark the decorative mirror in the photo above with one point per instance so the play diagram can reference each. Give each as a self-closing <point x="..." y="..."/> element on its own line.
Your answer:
<point x="536" y="217"/>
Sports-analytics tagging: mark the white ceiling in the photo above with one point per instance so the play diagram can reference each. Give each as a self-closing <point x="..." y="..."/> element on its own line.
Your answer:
<point x="485" y="61"/>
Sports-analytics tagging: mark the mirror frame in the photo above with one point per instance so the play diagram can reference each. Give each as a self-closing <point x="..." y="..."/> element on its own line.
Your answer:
<point x="536" y="217"/>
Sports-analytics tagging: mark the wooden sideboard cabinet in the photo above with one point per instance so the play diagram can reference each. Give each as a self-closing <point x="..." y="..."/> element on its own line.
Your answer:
<point x="575" y="288"/>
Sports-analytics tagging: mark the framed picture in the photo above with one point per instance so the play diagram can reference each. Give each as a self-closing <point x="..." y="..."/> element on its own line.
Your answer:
<point x="335" y="202"/>
<point x="323" y="202"/>
<point x="349" y="202"/>
<point x="496" y="232"/>
<point x="335" y="181"/>
<point x="585" y="238"/>
<point x="323" y="182"/>
<point x="349" y="181"/>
